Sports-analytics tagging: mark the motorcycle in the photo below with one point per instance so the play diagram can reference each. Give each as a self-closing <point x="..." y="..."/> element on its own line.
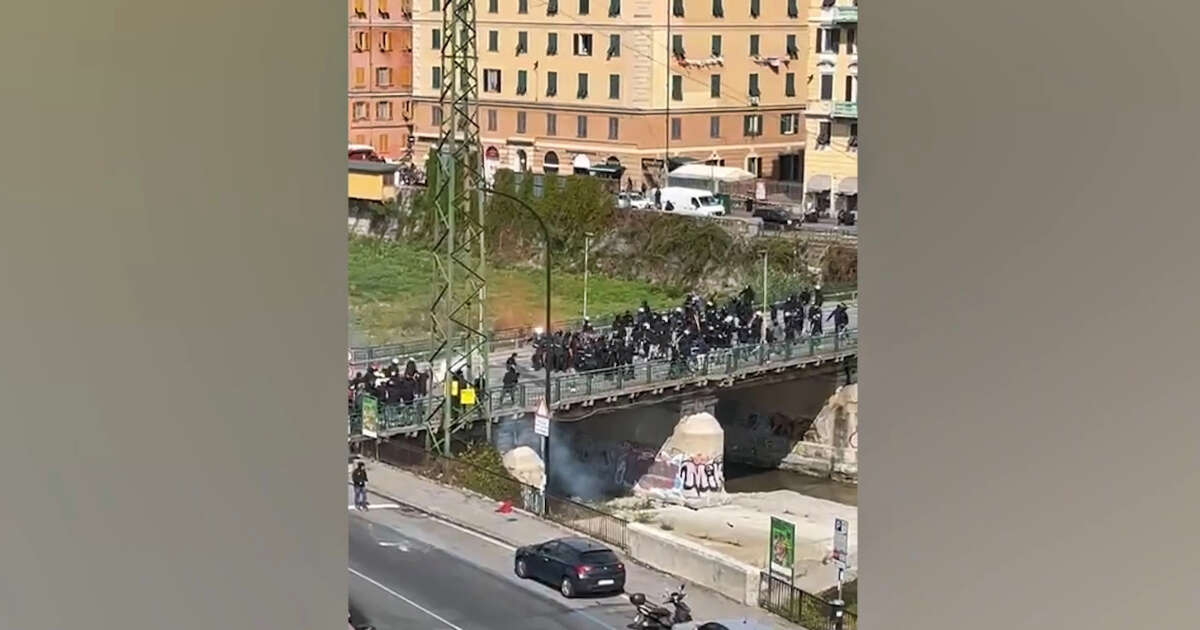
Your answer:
<point x="651" y="616"/>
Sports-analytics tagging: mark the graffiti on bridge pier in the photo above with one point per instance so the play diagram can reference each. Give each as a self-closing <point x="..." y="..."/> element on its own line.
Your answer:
<point x="702" y="476"/>
<point x="686" y="475"/>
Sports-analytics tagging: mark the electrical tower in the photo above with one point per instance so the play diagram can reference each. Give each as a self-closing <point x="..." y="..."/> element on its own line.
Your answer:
<point x="458" y="313"/>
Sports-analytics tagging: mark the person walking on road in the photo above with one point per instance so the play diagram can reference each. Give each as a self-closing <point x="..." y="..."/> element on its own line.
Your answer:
<point x="359" y="479"/>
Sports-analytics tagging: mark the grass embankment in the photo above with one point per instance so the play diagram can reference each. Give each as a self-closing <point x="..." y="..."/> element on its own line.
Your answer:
<point x="391" y="287"/>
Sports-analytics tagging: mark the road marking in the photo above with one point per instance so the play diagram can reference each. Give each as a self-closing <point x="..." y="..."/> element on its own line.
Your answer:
<point x="377" y="506"/>
<point x="394" y="545"/>
<point x="406" y="600"/>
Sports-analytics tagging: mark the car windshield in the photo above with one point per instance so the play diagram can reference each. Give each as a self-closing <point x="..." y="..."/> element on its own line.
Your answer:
<point x="599" y="558"/>
<point x="708" y="201"/>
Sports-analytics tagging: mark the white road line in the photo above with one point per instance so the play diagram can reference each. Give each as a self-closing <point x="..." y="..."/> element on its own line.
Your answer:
<point x="405" y="599"/>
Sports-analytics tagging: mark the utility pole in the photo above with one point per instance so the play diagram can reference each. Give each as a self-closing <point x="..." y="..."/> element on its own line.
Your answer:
<point x="766" y="312"/>
<point x="587" y="245"/>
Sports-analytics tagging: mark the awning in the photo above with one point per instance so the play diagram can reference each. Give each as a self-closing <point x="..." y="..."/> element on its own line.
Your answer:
<point x="607" y="170"/>
<point x="718" y="173"/>
<point x="848" y="186"/>
<point x="582" y="161"/>
<point x="818" y="184"/>
<point x="678" y="161"/>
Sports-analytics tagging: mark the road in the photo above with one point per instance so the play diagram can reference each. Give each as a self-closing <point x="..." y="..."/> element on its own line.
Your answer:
<point x="411" y="572"/>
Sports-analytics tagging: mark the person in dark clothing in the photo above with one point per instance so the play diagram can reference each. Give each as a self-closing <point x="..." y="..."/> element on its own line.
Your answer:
<point x="410" y="368"/>
<point x="511" y="363"/>
<point x="359" y="479"/>
<point x="510" y="384"/>
<point x="658" y="197"/>
<point x="814" y="322"/>
<point x="818" y="297"/>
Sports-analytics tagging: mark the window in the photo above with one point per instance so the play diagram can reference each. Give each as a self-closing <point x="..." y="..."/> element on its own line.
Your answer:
<point x="828" y="40"/>
<point x="437" y="38"/>
<point x="755" y="9"/>
<point x="718" y="8"/>
<point x="383" y="77"/>
<point x="823" y="134"/>
<point x="491" y="80"/>
<point x="360" y="139"/>
<point x="754" y="165"/>
<point x="614" y="86"/>
<point x="551" y="124"/>
<point x="614" y="8"/>
<point x="792" y="50"/>
<point x="360" y="8"/>
<point x="677" y="8"/>
<point x="613" y="127"/>
<point x="826" y="87"/>
<point x="361" y="111"/>
<point x="754" y="45"/>
<point x="385" y="42"/>
<point x="522" y="6"/>
<point x="437" y="114"/>
<point x="793" y="8"/>
<point x="614" y="45"/>
<point x="716" y="45"/>
<point x="584" y="7"/>
<point x="581" y="126"/>
<point x="676" y="128"/>
<point x="753" y="88"/>
<point x="552" y="83"/>
<point x="853" y="143"/>
<point x="851" y="43"/>
<point x="383" y="110"/>
<point x="435" y="5"/>
<point x="492" y="6"/>
<point x="551" y="7"/>
<point x="714" y="86"/>
<point x="582" y="92"/>
<point x="360" y="77"/>
<point x="677" y="88"/>
<point x="551" y="44"/>
<point x="583" y="44"/>
<point x="677" y="45"/>
<point x="789" y="84"/>
<point x="491" y="120"/>
<point x="714" y="126"/>
<point x="522" y="42"/>
<point x="752" y="124"/>
<point x="383" y="143"/>
<point x="437" y="77"/>
<point x="851" y="83"/>
<point x="789" y="124"/>
<point x="522" y="76"/>
<point x="493" y="41"/>
<point x="521" y="122"/>
<point x="550" y="162"/>
<point x="362" y="41"/>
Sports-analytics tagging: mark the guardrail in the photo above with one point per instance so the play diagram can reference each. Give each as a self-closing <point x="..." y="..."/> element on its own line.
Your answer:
<point x="516" y="336"/>
<point x="802" y="607"/>
<point x="395" y="418"/>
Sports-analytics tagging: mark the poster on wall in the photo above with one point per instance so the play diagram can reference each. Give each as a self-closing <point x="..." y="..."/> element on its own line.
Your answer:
<point x="782" y="550"/>
<point x="370" y="417"/>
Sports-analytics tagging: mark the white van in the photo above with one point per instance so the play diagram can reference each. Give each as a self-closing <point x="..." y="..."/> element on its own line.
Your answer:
<point x="693" y="201"/>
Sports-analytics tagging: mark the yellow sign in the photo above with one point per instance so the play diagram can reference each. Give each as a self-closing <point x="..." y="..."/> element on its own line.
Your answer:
<point x="468" y="396"/>
<point x="453" y="387"/>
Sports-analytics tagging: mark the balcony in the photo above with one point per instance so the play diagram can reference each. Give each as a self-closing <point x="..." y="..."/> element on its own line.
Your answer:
<point x="845" y="109"/>
<point x="845" y="15"/>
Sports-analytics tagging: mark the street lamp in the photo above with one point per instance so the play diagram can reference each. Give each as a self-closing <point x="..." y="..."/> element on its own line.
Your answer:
<point x="587" y="245"/>
<point x="546" y="325"/>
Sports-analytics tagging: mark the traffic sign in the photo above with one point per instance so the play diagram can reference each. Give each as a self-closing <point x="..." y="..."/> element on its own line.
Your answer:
<point x="541" y="420"/>
<point x="841" y="543"/>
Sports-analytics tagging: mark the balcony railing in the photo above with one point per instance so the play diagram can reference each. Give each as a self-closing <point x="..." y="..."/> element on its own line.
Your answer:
<point x="582" y="386"/>
<point x="845" y="109"/>
<point x="846" y="15"/>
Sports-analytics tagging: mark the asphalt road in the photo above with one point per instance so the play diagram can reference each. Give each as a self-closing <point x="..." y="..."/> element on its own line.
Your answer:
<point x="411" y="572"/>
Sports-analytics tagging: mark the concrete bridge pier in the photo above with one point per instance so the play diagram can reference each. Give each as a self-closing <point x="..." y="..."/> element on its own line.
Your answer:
<point x="689" y="466"/>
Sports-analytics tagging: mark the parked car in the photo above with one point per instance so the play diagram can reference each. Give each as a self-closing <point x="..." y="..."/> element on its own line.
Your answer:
<point x="633" y="199"/>
<point x="848" y="217"/>
<point x="574" y="565"/>
<point x="776" y="218"/>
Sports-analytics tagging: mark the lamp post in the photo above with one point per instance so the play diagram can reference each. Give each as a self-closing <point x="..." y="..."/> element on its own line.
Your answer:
<point x="587" y="245"/>
<point x="546" y="263"/>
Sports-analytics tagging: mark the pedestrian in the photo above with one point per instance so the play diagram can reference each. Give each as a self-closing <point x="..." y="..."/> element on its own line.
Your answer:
<point x="510" y="384"/>
<point x="359" y="479"/>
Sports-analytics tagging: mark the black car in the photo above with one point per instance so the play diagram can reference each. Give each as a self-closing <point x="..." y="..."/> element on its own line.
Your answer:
<point x="574" y="565"/>
<point x="776" y="218"/>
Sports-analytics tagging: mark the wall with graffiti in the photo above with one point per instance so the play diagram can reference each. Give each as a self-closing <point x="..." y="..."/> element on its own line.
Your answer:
<point x="690" y="466"/>
<point x="604" y="456"/>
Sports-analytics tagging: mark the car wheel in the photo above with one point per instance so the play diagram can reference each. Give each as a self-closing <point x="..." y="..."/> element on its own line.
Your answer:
<point x="567" y="588"/>
<point x="521" y="571"/>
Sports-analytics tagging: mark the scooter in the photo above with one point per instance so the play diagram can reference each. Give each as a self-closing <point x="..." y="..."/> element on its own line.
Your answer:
<point x="651" y="616"/>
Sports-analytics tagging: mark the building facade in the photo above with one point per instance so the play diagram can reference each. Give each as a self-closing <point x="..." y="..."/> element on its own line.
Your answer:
<point x="598" y="85"/>
<point x="380" y="75"/>
<point x="831" y="117"/>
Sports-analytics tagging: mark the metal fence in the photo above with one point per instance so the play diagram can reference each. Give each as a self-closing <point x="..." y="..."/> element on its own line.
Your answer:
<point x="500" y="486"/>
<point x="781" y="598"/>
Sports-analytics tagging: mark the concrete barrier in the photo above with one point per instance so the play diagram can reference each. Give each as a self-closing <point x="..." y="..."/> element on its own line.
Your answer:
<point x="688" y="560"/>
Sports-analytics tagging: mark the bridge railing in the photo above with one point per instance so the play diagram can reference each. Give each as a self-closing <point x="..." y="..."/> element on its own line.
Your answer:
<point x="581" y="386"/>
<point x="516" y="336"/>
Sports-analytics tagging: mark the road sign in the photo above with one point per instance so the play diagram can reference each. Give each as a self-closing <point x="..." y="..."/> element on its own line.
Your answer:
<point x="841" y="543"/>
<point x="541" y="420"/>
<point x="782" y="549"/>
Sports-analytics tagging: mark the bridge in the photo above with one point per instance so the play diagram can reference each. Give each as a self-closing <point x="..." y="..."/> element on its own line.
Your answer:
<point x="577" y="395"/>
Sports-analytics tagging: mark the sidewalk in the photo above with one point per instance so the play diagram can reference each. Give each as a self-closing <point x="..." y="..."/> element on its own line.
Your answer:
<point x="518" y="528"/>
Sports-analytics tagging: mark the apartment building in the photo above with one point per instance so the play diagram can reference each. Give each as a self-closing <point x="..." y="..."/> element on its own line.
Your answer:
<point x="831" y="118"/>
<point x="604" y="86"/>
<point x="380" y="75"/>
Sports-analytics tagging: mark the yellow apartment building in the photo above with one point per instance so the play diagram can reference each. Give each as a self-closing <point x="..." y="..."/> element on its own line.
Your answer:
<point x="600" y="85"/>
<point x="380" y="74"/>
<point x="831" y="117"/>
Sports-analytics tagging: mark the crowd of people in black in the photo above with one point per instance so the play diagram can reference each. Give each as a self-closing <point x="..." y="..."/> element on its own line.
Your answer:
<point x="391" y="384"/>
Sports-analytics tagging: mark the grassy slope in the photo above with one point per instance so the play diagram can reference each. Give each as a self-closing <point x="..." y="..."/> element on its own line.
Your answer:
<point x="391" y="289"/>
